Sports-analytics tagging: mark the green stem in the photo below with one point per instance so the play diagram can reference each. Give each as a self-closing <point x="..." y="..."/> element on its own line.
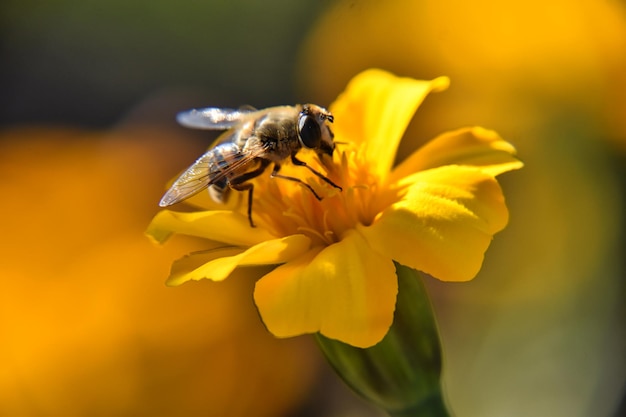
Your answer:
<point x="402" y="372"/>
<point x="431" y="407"/>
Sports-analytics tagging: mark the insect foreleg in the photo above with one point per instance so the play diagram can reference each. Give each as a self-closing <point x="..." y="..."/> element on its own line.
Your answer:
<point x="275" y="174"/>
<point x="298" y="162"/>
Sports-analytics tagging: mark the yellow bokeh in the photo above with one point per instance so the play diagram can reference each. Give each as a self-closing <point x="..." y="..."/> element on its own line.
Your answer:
<point x="508" y="61"/>
<point x="86" y="322"/>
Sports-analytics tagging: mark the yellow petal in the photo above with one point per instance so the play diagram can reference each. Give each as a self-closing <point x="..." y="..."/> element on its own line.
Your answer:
<point x="444" y="223"/>
<point x="221" y="226"/>
<point x="473" y="146"/>
<point x="375" y="110"/>
<point x="218" y="264"/>
<point x="345" y="291"/>
<point x="183" y="269"/>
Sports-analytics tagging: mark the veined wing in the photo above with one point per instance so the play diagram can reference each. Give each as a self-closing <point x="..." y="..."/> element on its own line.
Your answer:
<point x="199" y="175"/>
<point x="192" y="181"/>
<point x="213" y="118"/>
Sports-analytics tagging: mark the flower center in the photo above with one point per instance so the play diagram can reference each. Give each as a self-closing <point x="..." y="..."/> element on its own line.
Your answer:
<point x="287" y="207"/>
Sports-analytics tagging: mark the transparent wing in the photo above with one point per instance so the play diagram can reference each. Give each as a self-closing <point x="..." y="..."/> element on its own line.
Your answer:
<point x="196" y="178"/>
<point x="199" y="176"/>
<point x="213" y="117"/>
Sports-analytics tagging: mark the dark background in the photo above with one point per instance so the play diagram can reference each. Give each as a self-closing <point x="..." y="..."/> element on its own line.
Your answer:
<point x="88" y="63"/>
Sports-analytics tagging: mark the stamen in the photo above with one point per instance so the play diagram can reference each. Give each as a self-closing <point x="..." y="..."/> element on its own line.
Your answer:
<point x="294" y="216"/>
<point x="286" y="207"/>
<point x="308" y="230"/>
<point x="328" y="233"/>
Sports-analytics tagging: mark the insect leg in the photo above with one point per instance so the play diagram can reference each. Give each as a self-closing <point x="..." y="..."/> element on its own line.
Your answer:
<point x="250" y="187"/>
<point x="275" y="174"/>
<point x="298" y="162"/>
<point x="239" y="184"/>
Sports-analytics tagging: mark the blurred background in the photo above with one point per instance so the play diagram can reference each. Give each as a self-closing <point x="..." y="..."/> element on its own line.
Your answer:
<point x="88" y="95"/>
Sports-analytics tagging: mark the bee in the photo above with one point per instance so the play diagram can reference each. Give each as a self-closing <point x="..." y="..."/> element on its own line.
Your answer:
<point x="254" y="140"/>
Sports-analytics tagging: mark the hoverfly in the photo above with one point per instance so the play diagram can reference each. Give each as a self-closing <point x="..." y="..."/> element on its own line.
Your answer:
<point x="254" y="140"/>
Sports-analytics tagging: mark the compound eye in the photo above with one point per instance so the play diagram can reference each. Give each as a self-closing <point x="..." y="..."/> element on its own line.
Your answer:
<point x="310" y="132"/>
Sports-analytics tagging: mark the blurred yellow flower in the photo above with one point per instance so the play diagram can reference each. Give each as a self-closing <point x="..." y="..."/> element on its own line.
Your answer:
<point x="436" y="212"/>
<point x="85" y="327"/>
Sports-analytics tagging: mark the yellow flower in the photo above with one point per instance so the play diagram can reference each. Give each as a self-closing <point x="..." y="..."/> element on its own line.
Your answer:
<point x="436" y="212"/>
